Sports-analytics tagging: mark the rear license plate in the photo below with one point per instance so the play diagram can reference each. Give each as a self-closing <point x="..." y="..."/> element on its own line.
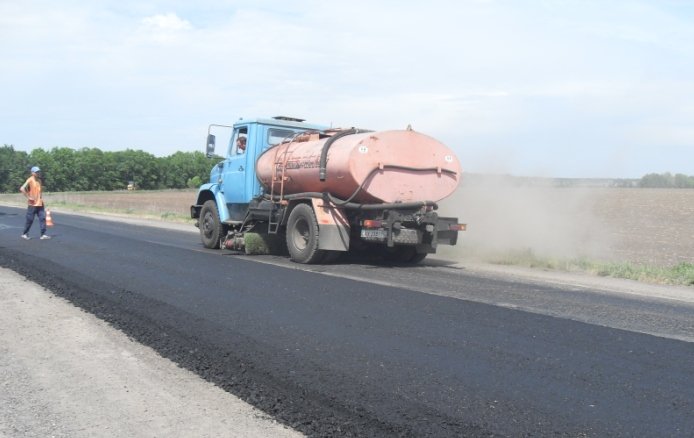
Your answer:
<point x="374" y="234"/>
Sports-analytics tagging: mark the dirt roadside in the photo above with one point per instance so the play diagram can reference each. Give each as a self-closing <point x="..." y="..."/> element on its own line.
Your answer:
<point x="65" y="373"/>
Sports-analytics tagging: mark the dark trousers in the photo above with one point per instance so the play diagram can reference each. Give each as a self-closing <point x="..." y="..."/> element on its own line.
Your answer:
<point x="35" y="211"/>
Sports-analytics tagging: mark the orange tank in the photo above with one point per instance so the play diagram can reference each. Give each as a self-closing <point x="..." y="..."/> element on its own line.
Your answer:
<point x="389" y="166"/>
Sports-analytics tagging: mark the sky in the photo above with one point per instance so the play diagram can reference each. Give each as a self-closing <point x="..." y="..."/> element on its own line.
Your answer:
<point x="556" y="88"/>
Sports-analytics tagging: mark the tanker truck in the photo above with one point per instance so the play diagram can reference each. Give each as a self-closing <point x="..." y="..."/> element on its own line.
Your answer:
<point x="326" y="191"/>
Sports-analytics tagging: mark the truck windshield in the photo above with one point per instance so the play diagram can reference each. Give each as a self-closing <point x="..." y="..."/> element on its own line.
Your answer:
<point x="277" y="135"/>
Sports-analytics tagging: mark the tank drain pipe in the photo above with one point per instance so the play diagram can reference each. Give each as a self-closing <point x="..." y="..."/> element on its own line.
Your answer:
<point x="355" y="206"/>
<point x="390" y="205"/>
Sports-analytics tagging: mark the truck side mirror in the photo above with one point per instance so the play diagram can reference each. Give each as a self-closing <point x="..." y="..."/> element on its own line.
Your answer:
<point x="210" y="145"/>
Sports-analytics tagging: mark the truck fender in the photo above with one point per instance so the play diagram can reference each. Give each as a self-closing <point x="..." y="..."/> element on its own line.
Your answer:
<point x="333" y="226"/>
<point x="212" y="191"/>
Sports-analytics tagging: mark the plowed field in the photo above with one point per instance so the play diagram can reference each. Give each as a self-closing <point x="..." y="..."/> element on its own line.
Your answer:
<point x="651" y="226"/>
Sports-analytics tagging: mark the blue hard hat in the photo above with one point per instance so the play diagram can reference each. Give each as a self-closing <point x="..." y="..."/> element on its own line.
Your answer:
<point x="35" y="169"/>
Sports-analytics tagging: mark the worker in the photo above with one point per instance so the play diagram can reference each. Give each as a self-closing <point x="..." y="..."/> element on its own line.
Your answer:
<point x="32" y="189"/>
<point x="241" y="145"/>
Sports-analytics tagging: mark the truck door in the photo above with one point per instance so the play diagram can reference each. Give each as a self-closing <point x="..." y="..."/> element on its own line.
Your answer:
<point x="234" y="175"/>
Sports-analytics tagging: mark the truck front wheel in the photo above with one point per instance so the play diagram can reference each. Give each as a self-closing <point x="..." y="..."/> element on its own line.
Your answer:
<point x="210" y="225"/>
<point x="302" y="235"/>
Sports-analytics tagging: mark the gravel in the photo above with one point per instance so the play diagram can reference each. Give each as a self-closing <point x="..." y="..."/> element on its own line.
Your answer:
<point x="65" y="373"/>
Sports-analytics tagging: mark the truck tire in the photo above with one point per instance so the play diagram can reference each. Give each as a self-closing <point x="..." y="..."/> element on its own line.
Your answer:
<point x="332" y="257"/>
<point x="403" y="254"/>
<point x="302" y="235"/>
<point x="417" y="257"/>
<point x="210" y="226"/>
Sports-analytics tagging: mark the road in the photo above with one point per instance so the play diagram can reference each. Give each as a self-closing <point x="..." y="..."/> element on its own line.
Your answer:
<point x="376" y="350"/>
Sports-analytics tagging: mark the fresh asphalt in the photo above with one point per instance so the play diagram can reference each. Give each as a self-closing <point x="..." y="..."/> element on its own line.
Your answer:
<point x="362" y="349"/>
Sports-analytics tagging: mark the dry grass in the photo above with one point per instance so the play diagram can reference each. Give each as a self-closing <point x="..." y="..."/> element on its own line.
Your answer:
<point x="170" y="205"/>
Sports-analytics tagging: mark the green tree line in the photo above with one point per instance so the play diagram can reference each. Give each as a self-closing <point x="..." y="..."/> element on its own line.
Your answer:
<point x="88" y="169"/>
<point x="667" y="180"/>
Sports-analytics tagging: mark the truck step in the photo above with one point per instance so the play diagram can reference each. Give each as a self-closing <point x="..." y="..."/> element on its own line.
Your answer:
<point x="232" y="223"/>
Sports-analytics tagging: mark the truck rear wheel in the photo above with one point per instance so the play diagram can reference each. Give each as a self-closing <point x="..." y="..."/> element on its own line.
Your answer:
<point x="403" y="254"/>
<point x="210" y="226"/>
<point x="332" y="256"/>
<point x="302" y="235"/>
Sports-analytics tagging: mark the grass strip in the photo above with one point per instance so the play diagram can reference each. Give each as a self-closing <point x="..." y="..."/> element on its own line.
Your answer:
<point x="681" y="274"/>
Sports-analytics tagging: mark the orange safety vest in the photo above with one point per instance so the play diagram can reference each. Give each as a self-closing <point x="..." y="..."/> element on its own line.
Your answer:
<point x="34" y="191"/>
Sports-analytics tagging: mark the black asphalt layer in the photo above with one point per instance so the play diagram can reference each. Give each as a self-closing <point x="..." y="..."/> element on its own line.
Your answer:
<point x="333" y="356"/>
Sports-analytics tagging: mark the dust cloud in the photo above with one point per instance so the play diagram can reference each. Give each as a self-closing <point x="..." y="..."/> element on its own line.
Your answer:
<point x="507" y="215"/>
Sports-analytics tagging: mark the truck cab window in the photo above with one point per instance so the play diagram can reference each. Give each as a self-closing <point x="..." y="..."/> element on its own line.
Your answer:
<point x="277" y="135"/>
<point x="239" y="141"/>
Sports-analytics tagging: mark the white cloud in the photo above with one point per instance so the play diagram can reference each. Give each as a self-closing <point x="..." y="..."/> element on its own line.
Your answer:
<point x="164" y="28"/>
<point x="166" y="22"/>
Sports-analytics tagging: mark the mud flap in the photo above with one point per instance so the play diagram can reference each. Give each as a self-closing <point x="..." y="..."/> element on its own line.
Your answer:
<point x="444" y="234"/>
<point x="333" y="227"/>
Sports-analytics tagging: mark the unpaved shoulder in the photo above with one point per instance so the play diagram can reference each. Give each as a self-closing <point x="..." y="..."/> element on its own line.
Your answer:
<point x="65" y="373"/>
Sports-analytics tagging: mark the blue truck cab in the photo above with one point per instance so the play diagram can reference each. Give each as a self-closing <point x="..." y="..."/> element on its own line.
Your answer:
<point x="233" y="183"/>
